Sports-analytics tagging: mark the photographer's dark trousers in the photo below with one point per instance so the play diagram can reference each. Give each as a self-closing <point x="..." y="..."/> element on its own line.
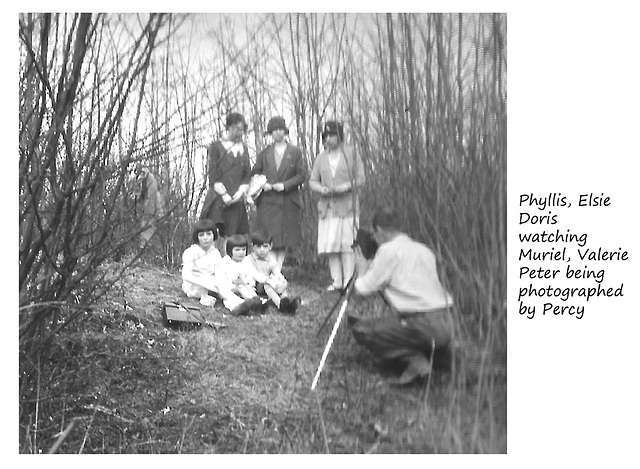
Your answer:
<point x="408" y="339"/>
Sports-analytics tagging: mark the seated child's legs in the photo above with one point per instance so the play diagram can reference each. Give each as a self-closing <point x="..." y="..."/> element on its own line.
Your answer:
<point x="229" y="298"/>
<point x="278" y="283"/>
<point x="192" y="290"/>
<point x="245" y="291"/>
<point x="272" y="294"/>
<point x="280" y="288"/>
<point x="206" y="282"/>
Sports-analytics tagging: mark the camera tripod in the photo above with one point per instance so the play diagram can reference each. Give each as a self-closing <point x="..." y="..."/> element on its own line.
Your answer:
<point x="344" y="298"/>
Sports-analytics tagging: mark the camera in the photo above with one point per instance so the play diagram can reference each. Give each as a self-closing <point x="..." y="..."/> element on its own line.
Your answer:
<point x="366" y="242"/>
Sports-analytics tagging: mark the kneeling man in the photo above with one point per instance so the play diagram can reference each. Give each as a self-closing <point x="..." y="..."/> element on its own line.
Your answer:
<point x="405" y="272"/>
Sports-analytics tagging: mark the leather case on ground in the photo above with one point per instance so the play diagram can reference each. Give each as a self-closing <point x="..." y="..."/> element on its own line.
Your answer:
<point x="178" y="316"/>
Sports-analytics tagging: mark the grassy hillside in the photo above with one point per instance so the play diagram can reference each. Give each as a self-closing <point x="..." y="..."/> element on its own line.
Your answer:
<point x="131" y="385"/>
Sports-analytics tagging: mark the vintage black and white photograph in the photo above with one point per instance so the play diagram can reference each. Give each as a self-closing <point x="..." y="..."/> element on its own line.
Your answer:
<point x="262" y="233"/>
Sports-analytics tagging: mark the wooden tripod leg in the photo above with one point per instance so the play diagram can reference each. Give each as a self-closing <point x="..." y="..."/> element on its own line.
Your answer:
<point x="347" y="294"/>
<point x="326" y="319"/>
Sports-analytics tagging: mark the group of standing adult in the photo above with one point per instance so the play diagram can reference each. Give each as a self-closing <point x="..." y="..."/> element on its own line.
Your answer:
<point x="281" y="170"/>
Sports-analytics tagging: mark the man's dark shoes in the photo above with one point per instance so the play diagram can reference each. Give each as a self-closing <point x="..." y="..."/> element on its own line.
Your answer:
<point x="417" y="369"/>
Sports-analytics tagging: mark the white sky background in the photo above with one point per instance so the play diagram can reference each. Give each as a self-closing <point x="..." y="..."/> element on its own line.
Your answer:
<point x="573" y="124"/>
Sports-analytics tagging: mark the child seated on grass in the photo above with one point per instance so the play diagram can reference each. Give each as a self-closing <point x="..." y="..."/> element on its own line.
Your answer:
<point x="267" y="274"/>
<point x="200" y="263"/>
<point x="238" y="275"/>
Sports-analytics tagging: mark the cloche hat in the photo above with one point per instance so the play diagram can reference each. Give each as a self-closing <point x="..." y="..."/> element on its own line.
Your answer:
<point x="333" y="128"/>
<point x="276" y="123"/>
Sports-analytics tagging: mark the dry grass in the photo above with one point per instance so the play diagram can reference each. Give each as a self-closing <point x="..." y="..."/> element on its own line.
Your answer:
<point x="134" y="386"/>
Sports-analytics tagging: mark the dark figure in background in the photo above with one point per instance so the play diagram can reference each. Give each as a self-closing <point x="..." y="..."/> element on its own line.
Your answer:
<point x="279" y="203"/>
<point x="229" y="174"/>
<point x="147" y="194"/>
<point x="405" y="272"/>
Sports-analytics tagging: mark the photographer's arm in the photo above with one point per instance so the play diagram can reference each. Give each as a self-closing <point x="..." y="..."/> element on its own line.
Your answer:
<point x="362" y="264"/>
<point x="378" y="274"/>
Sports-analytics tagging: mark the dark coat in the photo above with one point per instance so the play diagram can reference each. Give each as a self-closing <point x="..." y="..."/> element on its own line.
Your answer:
<point x="279" y="212"/>
<point x="232" y="171"/>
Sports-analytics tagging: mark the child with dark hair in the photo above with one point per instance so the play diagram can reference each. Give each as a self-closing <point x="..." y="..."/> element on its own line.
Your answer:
<point x="267" y="273"/>
<point x="200" y="263"/>
<point x="238" y="275"/>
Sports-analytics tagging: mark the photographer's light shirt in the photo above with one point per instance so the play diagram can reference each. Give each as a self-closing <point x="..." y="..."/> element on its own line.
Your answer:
<point x="406" y="271"/>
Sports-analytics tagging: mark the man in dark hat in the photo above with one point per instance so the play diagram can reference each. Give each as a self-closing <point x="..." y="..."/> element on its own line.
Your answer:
<point x="405" y="272"/>
<point x="279" y="205"/>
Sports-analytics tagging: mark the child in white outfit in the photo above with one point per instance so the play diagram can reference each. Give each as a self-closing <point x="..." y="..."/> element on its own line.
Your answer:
<point x="267" y="273"/>
<point x="200" y="263"/>
<point x="238" y="275"/>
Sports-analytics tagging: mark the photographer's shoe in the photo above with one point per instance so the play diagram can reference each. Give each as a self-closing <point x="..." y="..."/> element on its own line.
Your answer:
<point x="419" y="367"/>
